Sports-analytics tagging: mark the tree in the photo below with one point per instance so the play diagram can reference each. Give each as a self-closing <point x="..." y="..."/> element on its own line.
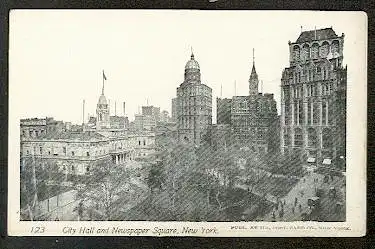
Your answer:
<point x="29" y="189"/>
<point x="103" y="189"/>
<point x="155" y="178"/>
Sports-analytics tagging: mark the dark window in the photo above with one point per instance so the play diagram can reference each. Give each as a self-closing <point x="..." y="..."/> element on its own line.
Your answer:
<point x="298" y="139"/>
<point x="312" y="138"/>
<point x="87" y="154"/>
<point x="72" y="153"/>
<point x="327" y="139"/>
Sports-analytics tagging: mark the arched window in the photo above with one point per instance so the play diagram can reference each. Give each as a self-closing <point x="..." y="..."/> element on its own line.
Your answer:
<point x="327" y="138"/>
<point x="87" y="153"/>
<point x="324" y="49"/>
<point x="312" y="137"/>
<point x="315" y="51"/>
<point x="305" y="54"/>
<point x="298" y="138"/>
<point x="335" y="47"/>
<point x="296" y="52"/>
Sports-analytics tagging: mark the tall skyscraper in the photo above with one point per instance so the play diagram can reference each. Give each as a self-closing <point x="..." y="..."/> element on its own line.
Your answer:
<point x="194" y="102"/>
<point x="313" y="97"/>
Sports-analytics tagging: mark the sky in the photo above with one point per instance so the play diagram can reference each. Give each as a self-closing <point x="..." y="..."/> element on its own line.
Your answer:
<point x="56" y="57"/>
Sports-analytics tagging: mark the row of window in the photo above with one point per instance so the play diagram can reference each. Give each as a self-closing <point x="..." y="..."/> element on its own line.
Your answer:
<point x="72" y="153"/>
<point x="310" y="75"/>
<point x="315" y="51"/>
<point x="312" y="138"/>
<point x="311" y="90"/>
<point x="296" y="116"/>
<point x="197" y="90"/>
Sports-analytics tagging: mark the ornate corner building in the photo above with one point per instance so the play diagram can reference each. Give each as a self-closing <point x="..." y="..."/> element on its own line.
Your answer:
<point x="194" y="105"/>
<point x="313" y="97"/>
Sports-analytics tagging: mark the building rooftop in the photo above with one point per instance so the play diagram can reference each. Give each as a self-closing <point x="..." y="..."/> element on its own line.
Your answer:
<point x="71" y="135"/>
<point x="319" y="34"/>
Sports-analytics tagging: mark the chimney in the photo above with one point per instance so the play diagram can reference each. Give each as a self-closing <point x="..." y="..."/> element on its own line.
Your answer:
<point x="315" y="32"/>
<point x="115" y="109"/>
<point x="123" y="106"/>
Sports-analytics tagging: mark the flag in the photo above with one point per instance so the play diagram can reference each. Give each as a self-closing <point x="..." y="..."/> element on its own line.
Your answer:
<point x="104" y="77"/>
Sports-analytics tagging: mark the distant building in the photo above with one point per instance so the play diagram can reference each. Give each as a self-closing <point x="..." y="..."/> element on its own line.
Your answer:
<point x="164" y="117"/>
<point x="252" y="118"/>
<point x="223" y="114"/>
<point x="174" y="110"/>
<point x="152" y="111"/>
<point x="118" y="122"/>
<point x="313" y="97"/>
<point x="194" y="101"/>
<point x="35" y="127"/>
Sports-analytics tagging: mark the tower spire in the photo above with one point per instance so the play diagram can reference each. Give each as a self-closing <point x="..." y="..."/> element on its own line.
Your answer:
<point x="104" y="78"/>
<point x="253" y="71"/>
<point x="253" y="57"/>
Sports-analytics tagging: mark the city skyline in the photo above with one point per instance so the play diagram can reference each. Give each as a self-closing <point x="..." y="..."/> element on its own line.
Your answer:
<point x="72" y="60"/>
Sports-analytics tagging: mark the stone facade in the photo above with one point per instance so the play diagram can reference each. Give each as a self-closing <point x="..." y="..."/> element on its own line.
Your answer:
<point x="35" y="127"/>
<point x="194" y="101"/>
<point x="313" y="97"/>
<point x="174" y="110"/>
<point x="252" y="118"/>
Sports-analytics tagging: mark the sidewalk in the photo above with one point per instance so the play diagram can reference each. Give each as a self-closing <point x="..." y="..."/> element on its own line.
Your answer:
<point x="64" y="211"/>
<point x="303" y="190"/>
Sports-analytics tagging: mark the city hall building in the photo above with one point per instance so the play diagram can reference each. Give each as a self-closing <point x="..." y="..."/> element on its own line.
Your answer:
<point x="46" y="141"/>
<point x="313" y="97"/>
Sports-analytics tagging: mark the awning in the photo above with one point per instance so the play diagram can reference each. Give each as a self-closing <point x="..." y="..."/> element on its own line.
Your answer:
<point x="311" y="160"/>
<point x="327" y="161"/>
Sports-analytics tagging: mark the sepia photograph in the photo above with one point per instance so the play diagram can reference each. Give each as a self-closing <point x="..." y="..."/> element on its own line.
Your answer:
<point x="186" y="116"/>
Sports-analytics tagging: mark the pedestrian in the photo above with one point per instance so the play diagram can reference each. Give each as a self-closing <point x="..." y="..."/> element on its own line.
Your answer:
<point x="273" y="215"/>
<point x="300" y="208"/>
<point x="295" y="201"/>
<point x="293" y="210"/>
<point x="284" y="202"/>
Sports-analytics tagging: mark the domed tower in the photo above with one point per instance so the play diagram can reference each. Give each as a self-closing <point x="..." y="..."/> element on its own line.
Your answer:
<point x="194" y="105"/>
<point x="192" y="71"/>
<point x="253" y="81"/>
<point x="102" y="112"/>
